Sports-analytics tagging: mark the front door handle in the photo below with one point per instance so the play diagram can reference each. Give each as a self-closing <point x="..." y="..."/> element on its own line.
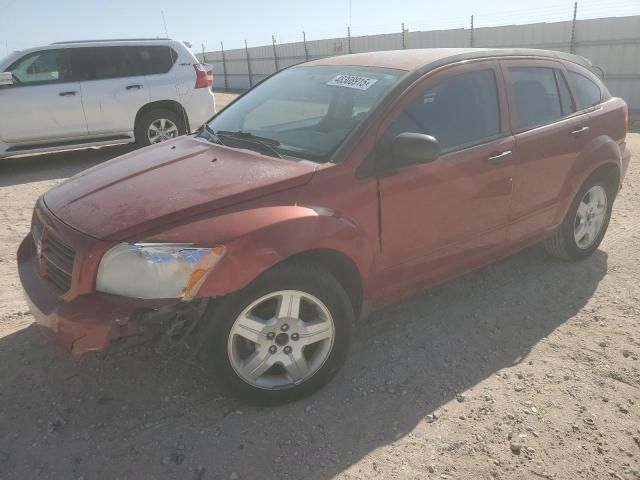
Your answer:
<point x="133" y="87"/>
<point x="67" y="94"/>
<point x="499" y="158"/>
<point x="580" y="130"/>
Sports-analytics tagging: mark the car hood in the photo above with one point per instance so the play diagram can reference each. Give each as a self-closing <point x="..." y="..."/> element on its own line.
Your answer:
<point x="161" y="185"/>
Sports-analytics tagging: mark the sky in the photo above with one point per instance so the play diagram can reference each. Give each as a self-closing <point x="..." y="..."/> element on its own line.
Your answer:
<point x="28" y="23"/>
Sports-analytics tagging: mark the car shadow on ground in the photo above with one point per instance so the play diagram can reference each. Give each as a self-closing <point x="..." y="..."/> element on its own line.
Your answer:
<point x="139" y="413"/>
<point x="51" y="166"/>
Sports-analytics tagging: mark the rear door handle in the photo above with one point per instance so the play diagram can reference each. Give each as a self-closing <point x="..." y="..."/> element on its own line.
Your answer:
<point x="580" y="130"/>
<point x="68" y="94"/>
<point x="499" y="158"/>
<point x="133" y="87"/>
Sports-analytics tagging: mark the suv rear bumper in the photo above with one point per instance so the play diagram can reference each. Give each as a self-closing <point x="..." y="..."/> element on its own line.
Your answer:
<point x="88" y="322"/>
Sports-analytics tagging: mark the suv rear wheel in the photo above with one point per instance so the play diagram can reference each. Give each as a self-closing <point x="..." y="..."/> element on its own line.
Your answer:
<point x="585" y="223"/>
<point x="157" y="126"/>
<point x="283" y="337"/>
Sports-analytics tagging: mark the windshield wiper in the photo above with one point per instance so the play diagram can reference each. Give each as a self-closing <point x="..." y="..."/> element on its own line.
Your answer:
<point x="248" y="136"/>
<point x="210" y="134"/>
<point x="267" y="145"/>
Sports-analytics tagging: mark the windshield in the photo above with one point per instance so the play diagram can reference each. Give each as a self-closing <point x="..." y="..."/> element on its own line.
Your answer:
<point x="307" y="112"/>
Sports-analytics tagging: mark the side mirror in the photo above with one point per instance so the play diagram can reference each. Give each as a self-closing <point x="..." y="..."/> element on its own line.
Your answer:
<point x="414" y="148"/>
<point x="6" y="79"/>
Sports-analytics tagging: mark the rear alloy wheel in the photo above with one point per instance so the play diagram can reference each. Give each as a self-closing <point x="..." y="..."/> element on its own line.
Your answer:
<point x="160" y="130"/>
<point x="283" y="337"/>
<point x="158" y="126"/>
<point x="585" y="223"/>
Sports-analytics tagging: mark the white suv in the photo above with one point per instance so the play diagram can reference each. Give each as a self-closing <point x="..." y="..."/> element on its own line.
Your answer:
<point x="72" y="95"/>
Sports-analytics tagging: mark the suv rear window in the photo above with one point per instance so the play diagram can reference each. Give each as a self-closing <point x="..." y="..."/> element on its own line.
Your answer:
<point x="588" y="93"/>
<point x="541" y="95"/>
<point x="99" y="63"/>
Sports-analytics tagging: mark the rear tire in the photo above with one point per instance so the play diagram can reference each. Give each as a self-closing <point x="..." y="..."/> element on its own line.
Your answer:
<point x="585" y="223"/>
<point x="158" y="125"/>
<point x="288" y="355"/>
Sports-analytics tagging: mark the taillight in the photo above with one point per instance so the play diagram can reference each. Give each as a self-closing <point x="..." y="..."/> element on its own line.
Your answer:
<point x="204" y="75"/>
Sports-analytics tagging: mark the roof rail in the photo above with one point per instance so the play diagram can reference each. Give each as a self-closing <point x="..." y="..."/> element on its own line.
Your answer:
<point x="109" y="40"/>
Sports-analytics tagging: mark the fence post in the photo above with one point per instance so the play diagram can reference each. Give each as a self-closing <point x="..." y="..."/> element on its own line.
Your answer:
<point x="471" y="33"/>
<point x="306" y="49"/>
<point x="224" y="67"/>
<point x="246" y="49"/>
<point x="404" y="39"/>
<point x="349" y="40"/>
<point x="275" y="53"/>
<point x="572" y="45"/>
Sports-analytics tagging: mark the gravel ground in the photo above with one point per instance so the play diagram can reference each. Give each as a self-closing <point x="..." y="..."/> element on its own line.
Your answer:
<point x="526" y="369"/>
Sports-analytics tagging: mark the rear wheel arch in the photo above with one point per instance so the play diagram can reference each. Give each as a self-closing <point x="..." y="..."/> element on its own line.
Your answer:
<point x="172" y="105"/>
<point x="610" y="173"/>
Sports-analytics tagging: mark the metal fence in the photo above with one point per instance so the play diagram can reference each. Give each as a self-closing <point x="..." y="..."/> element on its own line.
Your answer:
<point x="613" y="44"/>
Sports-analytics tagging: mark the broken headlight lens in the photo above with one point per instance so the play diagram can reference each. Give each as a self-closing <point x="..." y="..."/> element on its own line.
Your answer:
<point x="156" y="270"/>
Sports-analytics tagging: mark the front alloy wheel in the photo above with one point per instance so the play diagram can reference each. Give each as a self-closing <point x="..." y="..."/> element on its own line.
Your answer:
<point x="281" y="338"/>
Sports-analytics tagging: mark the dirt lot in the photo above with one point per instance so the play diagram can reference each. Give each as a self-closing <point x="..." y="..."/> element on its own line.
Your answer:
<point x="527" y="369"/>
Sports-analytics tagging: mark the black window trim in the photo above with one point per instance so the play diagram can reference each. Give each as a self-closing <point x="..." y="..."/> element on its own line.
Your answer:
<point x="43" y="82"/>
<point x="591" y="108"/>
<point x="560" y="67"/>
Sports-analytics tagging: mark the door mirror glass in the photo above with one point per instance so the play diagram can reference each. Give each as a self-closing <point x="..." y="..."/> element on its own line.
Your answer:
<point x="411" y="148"/>
<point x="6" y="79"/>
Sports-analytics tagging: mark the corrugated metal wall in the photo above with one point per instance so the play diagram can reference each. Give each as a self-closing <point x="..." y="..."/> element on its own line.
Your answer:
<point x="611" y="43"/>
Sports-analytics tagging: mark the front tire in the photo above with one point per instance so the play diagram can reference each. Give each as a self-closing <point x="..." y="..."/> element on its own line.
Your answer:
<point x="585" y="223"/>
<point x="283" y="337"/>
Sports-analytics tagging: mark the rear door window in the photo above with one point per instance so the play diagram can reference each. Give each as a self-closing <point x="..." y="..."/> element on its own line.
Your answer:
<point x="461" y="111"/>
<point x="102" y="63"/>
<point x="541" y="96"/>
<point x="588" y="93"/>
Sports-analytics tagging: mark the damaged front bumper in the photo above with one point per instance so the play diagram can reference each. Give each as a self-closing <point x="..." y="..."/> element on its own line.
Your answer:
<point x="87" y="322"/>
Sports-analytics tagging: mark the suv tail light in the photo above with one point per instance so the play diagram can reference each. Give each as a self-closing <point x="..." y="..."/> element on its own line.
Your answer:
<point x="204" y="75"/>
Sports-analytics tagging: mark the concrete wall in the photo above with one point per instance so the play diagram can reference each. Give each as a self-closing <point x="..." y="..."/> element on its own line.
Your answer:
<point x="613" y="44"/>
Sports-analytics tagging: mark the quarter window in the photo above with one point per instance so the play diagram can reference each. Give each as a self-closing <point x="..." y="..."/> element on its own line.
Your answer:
<point x="157" y="59"/>
<point x="587" y="91"/>
<point x="49" y="66"/>
<point x="541" y="95"/>
<point x="459" y="112"/>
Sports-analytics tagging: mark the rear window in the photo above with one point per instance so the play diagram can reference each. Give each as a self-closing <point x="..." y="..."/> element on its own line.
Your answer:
<point x="100" y="63"/>
<point x="541" y="95"/>
<point x="587" y="91"/>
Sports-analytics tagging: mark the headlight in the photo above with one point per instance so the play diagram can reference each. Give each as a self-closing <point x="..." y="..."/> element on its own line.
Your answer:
<point x="156" y="270"/>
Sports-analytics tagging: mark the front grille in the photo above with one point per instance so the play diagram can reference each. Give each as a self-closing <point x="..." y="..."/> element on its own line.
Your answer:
<point x="56" y="257"/>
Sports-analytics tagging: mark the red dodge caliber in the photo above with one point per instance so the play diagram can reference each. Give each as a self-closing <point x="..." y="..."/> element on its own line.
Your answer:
<point x="331" y="188"/>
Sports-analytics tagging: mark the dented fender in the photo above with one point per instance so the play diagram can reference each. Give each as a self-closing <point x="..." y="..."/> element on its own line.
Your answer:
<point x="258" y="238"/>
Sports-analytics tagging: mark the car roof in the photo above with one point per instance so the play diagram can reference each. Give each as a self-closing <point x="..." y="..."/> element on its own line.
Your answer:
<point x="419" y="58"/>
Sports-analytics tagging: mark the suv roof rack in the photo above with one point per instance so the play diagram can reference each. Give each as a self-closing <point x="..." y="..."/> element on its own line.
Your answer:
<point x="110" y="40"/>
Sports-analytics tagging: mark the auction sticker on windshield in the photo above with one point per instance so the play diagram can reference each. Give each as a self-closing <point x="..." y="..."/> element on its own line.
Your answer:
<point x="352" y="81"/>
